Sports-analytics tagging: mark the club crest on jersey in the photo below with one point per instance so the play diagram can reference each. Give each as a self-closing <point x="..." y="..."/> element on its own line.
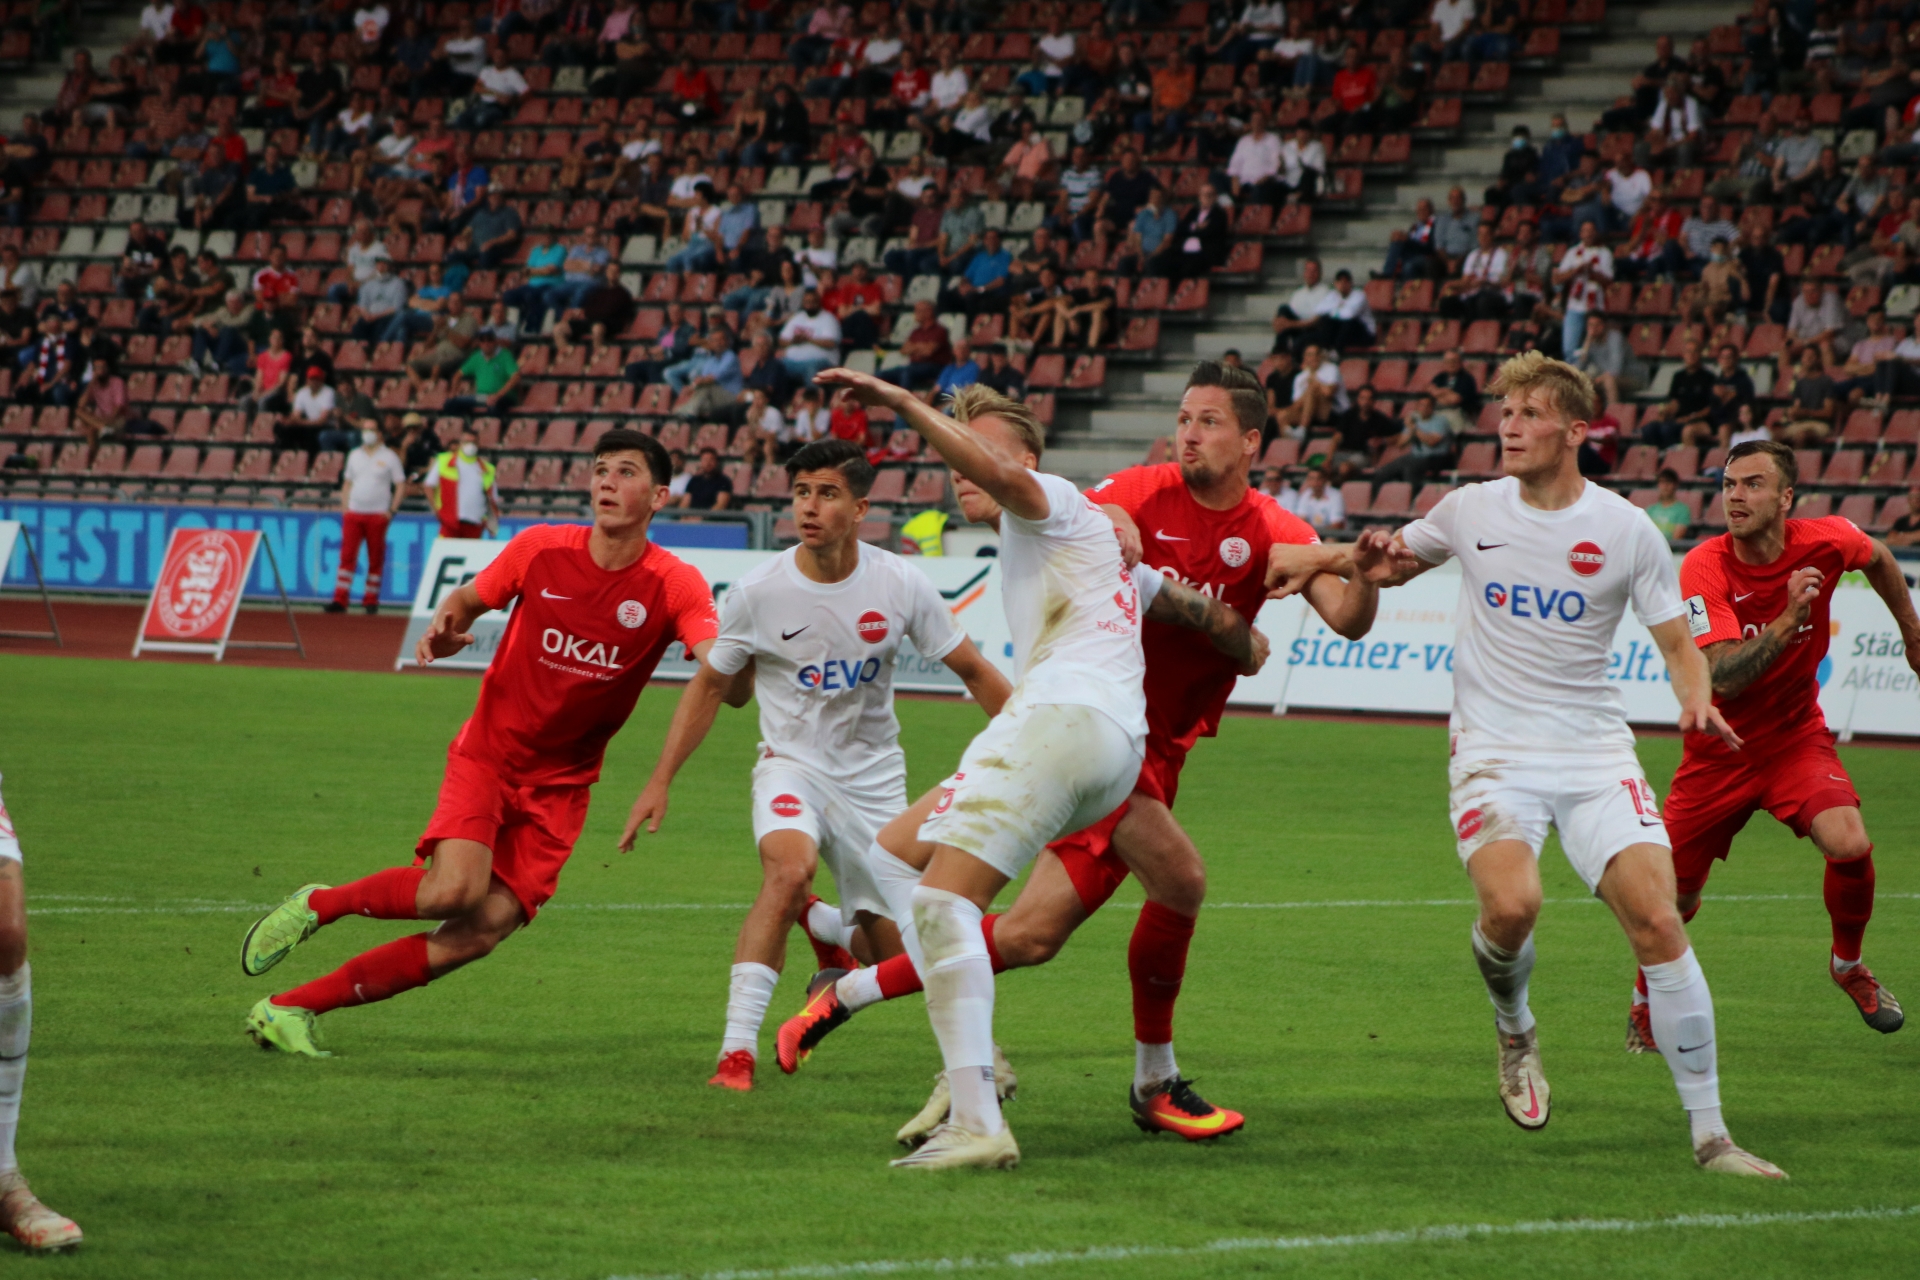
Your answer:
<point x="1236" y="552"/>
<point x="1469" y="824"/>
<point x="787" y="806"/>
<point x="587" y="653"/>
<point x="872" y="626"/>
<point x="631" y="613"/>
<point x="1586" y="559"/>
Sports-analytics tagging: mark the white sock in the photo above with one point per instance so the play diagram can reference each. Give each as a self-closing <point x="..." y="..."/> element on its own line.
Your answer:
<point x="1705" y="1123"/>
<point x="823" y="923"/>
<point x="1152" y="1064"/>
<point x="1681" y="1009"/>
<point x="859" y="989"/>
<point x="16" y="1028"/>
<point x="897" y="881"/>
<point x="748" y="994"/>
<point x="959" y="980"/>
<point x="1506" y="973"/>
<point x="1841" y="966"/>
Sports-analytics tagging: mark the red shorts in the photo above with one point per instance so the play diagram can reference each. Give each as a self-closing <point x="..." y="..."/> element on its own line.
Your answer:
<point x="1088" y="856"/>
<point x="531" y="830"/>
<point x="1714" y="795"/>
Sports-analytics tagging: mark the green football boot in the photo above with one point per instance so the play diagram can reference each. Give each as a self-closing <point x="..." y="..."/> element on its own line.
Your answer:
<point x="286" y="1029"/>
<point x="278" y="932"/>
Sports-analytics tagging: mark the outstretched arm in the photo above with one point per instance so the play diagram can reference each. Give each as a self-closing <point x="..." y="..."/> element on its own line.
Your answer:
<point x="448" y="634"/>
<point x="1232" y="634"/>
<point x="1883" y="572"/>
<point x="699" y="703"/>
<point x="1002" y="478"/>
<point x="1692" y="684"/>
<point x="1379" y="558"/>
<point x="1736" y="664"/>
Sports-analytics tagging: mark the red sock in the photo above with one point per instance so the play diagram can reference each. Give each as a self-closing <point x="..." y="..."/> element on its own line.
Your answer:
<point x="897" y="977"/>
<point x="1849" y="894"/>
<point x="993" y="952"/>
<point x="1157" y="963"/>
<point x="1640" y="984"/>
<point x="392" y="894"/>
<point x="379" y="974"/>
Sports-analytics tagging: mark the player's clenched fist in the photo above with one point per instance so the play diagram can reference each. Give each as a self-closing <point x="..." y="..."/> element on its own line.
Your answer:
<point x="1803" y="588"/>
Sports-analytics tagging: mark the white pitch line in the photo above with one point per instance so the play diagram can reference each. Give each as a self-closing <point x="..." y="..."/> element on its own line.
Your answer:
<point x="97" y="906"/>
<point x="1289" y="1244"/>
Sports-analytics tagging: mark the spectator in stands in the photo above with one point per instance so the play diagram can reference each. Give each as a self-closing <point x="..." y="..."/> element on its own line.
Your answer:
<point x="1815" y="320"/>
<point x="1864" y="199"/>
<point x="1365" y="435"/>
<point x="17" y="326"/>
<point x="310" y="410"/>
<point x="50" y="368"/>
<point x="320" y="95"/>
<point x="859" y="304"/>
<point x="1731" y="389"/>
<point x="488" y="379"/>
<point x="1483" y="288"/>
<point x="983" y="284"/>
<point x="928" y="349"/>
<point x="1812" y="408"/>
<point x="1036" y="302"/>
<point x="1674" y="131"/>
<point x="1296" y="323"/>
<point x="961" y="371"/>
<point x="1155" y="221"/>
<point x="1899" y="374"/>
<point x="1692" y="390"/>
<point x="1002" y="374"/>
<point x="1456" y="391"/>
<point x="1410" y="253"/>
<point x="209" y="198"/>
<point x="1085" y="315"/>
<point x="496" y="94"/>
<point x="1253" y="169"/>
<point x="708" y="488"/>
<point x="1750" y="177"/>
<point x="269" y="192"/>
<point x="535" y="294"/>
<point x="810" y="341"/>
<point x="1356" y="86"/>
<point x="460" y="488"/>
<point x="605" y="309"/>
<point x="448" y="344"/>
<point x="351" y="129"/>
<point x="23" y="278"/>
<point x="379" y="303"/>
<point x="1027" y="162"/>
<point x="1687" y="256"/>
<point x="1174" y="82"/>
<point x="101" y="408"/>
<point x="1200" y="243"/>
<point x="1904" y="531"/>
<point x="1765" y="271"/>
<point x="1628" y="185"/>
<point x="1321" y="506"/>
<point x="1273" y="483"/>
<point x="1860" y="374"/>
<point x="272" y="366"/>
<point x="276" y="290"/>
<point x="1796" y="155"/>
<point x="581" y="270"/>
<point x="496" y="229"/>
<point x="1428" y="440"/>
<point x="1585" y="272"/>
<point x="1819" y="215"/>
<point x="711" y="373"/>
<point x="221" y="337"/>
<point x="1519" y="181"/>
<point x="1319" y="392"/>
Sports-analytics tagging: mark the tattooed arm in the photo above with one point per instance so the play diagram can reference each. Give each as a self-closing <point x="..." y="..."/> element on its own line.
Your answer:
<point x="1736" y="664"/>
<point x="1231" y="634"/>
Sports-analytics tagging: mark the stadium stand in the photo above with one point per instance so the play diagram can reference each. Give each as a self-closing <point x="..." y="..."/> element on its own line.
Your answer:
<point x="637" y="198"/>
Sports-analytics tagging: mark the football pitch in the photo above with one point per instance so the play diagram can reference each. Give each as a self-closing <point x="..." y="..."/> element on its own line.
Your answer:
<point x="544" y="1113"/>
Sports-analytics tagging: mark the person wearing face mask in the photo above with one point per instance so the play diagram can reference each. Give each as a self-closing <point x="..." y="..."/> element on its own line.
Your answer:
<point x="370" y="489"/>
<point x="461" y="489"/>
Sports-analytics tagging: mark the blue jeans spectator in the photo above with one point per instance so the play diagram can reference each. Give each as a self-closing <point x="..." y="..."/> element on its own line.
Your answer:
<point x="697" y="256"/>
<point x="913" y="262"/>
<point x="754" y="154"/>
<point x="1606" y="219"/>
<point x="405" y="325"/>
<point x="226" y="349"/>
<point x="337" y="440"/>
<point x="1489" y="46"/>
<point x="1573" y="332"/>
<point x="678" y="375"/>
<point x="918" y="373"/>
<point x="746" y="298"/>
<point x="481" y="115"/>
<point x="1408" y="260"/>
<point x="803" y="370"/>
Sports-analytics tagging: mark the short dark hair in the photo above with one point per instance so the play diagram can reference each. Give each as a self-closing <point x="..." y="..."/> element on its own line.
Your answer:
<point x="835" y="454"/>
<point x="625" y="440"/>
<point x="1782" y="455"/>
<point x="1668" y="474"/>
<point x="1249" y="401"/>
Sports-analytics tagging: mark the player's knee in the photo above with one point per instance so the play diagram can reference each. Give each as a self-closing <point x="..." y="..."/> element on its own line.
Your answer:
<point x="13" y="949"/>
<point x="1028" y="943"/>
<point x="1508" y="918"/>
<point x="1849" y="844"/>
<point x="450" y="896"/>
<point x="1183" y="888"/>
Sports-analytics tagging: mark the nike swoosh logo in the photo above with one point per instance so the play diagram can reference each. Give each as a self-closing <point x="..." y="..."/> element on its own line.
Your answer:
<point x="1533" y="1103"/>
<point x="1738" y="599"/>
<point x="1837" y="778"/>
<point x="1487" y="546"/>
<point x="1697" y="1048"/>
<point x="1650" y="822"/>
<point x="788" y="635"/>
<point x="1213" y="1121"/>
<point x="1164" y="536"/>
<point x="548" y="595"/>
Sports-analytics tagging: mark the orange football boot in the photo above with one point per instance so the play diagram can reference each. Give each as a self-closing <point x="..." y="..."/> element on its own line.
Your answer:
<point x="1176" y="1108"/>
<point x="807" y="1028"/>
<point x="734" y="1072"/>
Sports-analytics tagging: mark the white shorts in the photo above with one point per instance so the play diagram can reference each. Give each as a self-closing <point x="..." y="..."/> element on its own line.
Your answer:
<point x="1599" y="804"/>
<point x="1033" y="774"/>
<point x="9" y="842"/>
<point x="840" y="820"/>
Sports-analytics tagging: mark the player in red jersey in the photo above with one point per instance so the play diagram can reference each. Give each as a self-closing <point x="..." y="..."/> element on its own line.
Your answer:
<point x="1757" y="602"/>
<point x="594" y="607"/>
<point x="1201" y="525"/>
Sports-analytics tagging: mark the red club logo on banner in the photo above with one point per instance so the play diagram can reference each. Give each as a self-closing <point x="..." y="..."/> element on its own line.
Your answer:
<point x="200" y="584"/>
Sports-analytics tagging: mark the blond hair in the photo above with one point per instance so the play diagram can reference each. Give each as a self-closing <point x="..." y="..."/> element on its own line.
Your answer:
<point x="979" y="401"/>
<point x="1568" y="390"/>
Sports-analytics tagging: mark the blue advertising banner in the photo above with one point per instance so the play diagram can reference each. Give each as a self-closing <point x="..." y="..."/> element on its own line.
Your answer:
<point x="119" y="546"/>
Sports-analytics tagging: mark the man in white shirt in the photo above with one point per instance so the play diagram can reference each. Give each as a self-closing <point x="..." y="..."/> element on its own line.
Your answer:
<point x="371" y="486"/>
<point x="156" y="22"/>
<point x="950" y="83"/>
<point x="1482" y="290"/>
<point x="816" y="632"/>
<point x="1064" y="751"/>
<point x="1303" y="163"/>
<point x="314" y="402"/>
<point x="810" y="340"/>
<point x="1548" y="565"/>
<point x="1673" y="134"/>
<point x="1628" y="186"/>
<point x="1295" y="320"/>
<point x="1453" y="18"/>
<point x="1585" y="271"/>
<point x="370" y="24"/>
<point x="1255" y="161"/>
<point x="497" y="92"/>
<point x="1319" y="391"/>
<point x="1320" y="505"/>
<point x="1057" y="50"/>
<point x="1345" y="319"/>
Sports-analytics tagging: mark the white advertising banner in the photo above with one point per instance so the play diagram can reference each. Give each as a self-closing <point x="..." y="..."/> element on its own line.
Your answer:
<point x="1404" y="665"/>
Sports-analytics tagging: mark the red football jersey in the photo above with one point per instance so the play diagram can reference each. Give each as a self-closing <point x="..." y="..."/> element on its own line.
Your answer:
<point x="575" y="653"/>
<point x="1220" y="553"/>
<point x="1730" y="600"/>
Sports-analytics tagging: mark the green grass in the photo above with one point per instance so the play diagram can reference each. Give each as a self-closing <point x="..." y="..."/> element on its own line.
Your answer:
<point x="544" y="1113"/>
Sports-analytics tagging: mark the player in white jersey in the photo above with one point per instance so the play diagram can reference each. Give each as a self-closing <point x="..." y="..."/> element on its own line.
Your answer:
<point x="21" y="1214"/>
<point x="1549" y="563"/>
<point x="1062" y="753"/>
<point x="821" y="626"/>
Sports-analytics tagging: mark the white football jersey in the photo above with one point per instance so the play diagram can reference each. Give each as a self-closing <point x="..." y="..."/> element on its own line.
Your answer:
<point x="1541" y="594"/>
<point x="1073" y="609"/>
<point x="825" y="653"/>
